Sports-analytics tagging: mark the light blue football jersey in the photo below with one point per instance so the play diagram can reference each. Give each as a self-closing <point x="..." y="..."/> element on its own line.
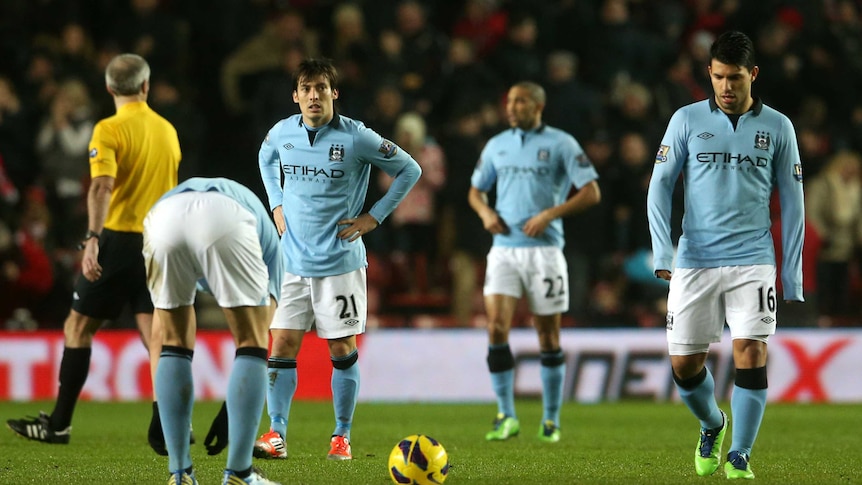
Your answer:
<point x="533" y="170"/>
<point x="728" y="178"/>
<point x="266" y="231"/>
<point x="325" y="182"/>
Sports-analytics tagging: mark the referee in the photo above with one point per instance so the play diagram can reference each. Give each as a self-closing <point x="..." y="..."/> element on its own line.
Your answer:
<point x="134" y="156"/>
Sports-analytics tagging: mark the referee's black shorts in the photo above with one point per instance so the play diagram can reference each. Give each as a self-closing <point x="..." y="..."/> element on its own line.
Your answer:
<point x="123" y="281"/>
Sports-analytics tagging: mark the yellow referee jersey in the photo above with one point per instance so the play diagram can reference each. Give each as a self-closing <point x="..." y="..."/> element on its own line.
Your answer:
<point x="140" y="149"/>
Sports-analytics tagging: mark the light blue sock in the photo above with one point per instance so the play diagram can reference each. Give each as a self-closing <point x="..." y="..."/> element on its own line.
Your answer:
<point x="176" y="391"/>
<point x="747" y="406"/>
<point x="700" y="400"/>
<point x="553" y="373"/>
<point x="245" y="395"/>
<point x="501" y="364"/>
<point x="282" y="386"/>
<point x="345" y="391"/>
<point x="504" y="387"/>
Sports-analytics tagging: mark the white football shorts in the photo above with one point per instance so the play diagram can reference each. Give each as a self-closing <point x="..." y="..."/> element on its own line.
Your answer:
<point x="336" y="305"/>
<point x="701" y="300"/>
<point x="540" y="272"/>
<point x="194" y="235"/>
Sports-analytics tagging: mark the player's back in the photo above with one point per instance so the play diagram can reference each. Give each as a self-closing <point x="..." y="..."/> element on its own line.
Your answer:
<point x="141" y="150"/>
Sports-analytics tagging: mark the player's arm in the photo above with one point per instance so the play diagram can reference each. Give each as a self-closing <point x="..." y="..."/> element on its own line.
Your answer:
<point x="103" y="172"/>
<point x="583" y="175"/>
<point x="483" y="179"/>
<point x="669" y="161"/>
<point x="270" y="173"/>
<point x="98" y="203"/>
<point x="789" y="180"/>
<point x="397" y="163"/>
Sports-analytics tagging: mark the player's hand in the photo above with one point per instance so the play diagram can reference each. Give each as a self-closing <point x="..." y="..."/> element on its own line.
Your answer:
<point x="216" y="439"/>
<point x="493" y="223"/>
<point x="90" y="267"/>
<point x="357" y="226"/>
<point x="278" y="217"/>
<point x="536" y="225"/>
<point x="663" y="274"/>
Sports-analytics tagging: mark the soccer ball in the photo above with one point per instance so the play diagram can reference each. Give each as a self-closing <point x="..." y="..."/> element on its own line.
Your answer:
<point x="420" y="460"/>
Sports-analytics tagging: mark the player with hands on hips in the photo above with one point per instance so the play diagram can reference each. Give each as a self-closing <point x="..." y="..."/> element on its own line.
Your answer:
<point x="315" y="167"/>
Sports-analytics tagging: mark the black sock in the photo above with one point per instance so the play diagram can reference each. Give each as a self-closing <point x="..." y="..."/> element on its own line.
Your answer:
<point x="155" y="430"/>
<point x="74" y="369"/>
<point x="243" y="474"/>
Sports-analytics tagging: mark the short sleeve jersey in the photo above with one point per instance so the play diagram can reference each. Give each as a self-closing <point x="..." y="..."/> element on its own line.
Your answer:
<point x="533" y="171"/>
<point x="326" y="181"/>
<point x="141" y="151"/>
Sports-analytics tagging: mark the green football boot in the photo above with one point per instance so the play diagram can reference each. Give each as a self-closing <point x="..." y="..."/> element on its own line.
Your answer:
<point x="505" y="427"/>
<point x="707" y="455"/>
<point x="549" y="432"/>
<point x="737" y="466"/>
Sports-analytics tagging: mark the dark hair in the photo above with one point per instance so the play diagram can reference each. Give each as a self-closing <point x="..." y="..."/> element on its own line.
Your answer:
<point x="733" y="48"/>
<point x="311" y="68"/>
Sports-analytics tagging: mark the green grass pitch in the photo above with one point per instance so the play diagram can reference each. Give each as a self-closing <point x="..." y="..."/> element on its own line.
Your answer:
<point x="614" y="443"/>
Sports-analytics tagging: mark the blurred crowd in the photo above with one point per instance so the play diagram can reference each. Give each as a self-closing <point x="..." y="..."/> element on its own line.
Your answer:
<point x="431" y="76"/>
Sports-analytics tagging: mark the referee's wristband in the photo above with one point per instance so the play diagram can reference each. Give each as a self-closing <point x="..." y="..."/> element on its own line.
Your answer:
<point x="87" y="237"/>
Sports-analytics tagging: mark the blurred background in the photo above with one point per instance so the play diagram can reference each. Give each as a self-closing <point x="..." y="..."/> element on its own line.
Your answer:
<point x="430" y="75"/>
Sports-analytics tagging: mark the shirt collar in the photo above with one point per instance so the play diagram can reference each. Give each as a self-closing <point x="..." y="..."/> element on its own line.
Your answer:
<point x="539" y="129"/>
<point x="133" y="106"/>
<point x="334" y="123"/>
<point x="756" y="108"/>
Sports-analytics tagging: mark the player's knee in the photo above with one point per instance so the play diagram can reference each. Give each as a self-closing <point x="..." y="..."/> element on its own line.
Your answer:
<point x="500" y="359"/>
<point x="346" y="362"/>
<point x="78" y="330"/>
<point x="497" y="327"/>
<point x="751" y="378"/>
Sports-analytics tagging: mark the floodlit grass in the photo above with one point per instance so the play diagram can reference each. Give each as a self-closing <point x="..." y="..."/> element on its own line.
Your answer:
<point x="619" y="443"/>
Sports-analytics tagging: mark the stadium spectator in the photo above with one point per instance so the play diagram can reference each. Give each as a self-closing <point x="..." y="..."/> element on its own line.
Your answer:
<point x="424" y="48"/>
<point x="464" y="79"/>
<point x="644" y="293"/>
<point x="483" y="24"/>
<point x="16" y="136"/>
<point x="577" y="107"/>
<point x="591" y="260"/>
<point x="678" y="87"/>
<point x="630" y="111"/>
<point x="217" y="234"/>
<point x="168" y="100"/>
<point x="273" y="97"/>
<point x="533" y="168"/>
<point x="415" y="221"/>
<point x="518" y="56"/>
<point x="26" y="275"/>
<point x="833" y="203"/>
<point x="262" y="52"/>
<point x="150" y="31"/>
<point x="61" y="148"/>
<point x="725" y="263"/>
<point x="129" y="171"/>
<point x="325" y="160"/>
<point x="464" y="243"/>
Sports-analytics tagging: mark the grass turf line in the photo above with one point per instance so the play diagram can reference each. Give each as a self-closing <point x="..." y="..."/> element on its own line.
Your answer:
<point x="625" y="443"/>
